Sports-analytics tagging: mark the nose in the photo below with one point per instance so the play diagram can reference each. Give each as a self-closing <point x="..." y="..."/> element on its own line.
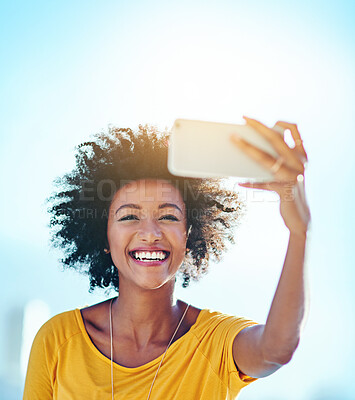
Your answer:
<point x="149" y="232"/>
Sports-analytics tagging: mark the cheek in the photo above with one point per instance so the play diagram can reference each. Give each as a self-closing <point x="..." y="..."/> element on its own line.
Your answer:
<point x="180" y="249"/>
<point x="178" y="240"/>
<point x="117" y="237"/>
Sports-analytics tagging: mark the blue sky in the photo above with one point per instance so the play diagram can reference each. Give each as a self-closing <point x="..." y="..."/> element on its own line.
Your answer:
<point x="69" y="69"/>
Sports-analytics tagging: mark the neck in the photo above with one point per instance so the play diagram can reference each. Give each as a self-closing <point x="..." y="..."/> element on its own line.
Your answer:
<point x="146" y="315"/>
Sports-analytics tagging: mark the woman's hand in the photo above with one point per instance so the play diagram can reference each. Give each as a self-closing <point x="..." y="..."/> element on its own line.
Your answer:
<point x="288" y="171"/>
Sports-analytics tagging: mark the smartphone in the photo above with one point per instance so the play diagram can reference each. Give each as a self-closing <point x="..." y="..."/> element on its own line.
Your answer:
<point x="202" y="149"/>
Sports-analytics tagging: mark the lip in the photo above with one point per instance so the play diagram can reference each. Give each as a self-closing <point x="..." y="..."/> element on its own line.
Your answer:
<point x="154" y="263"/>
<point x="149" y="249"/>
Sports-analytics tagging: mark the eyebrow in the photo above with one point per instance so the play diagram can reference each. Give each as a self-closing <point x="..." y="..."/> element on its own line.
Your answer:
<point x="137" y="207"/>
<point x="164" y="205"/>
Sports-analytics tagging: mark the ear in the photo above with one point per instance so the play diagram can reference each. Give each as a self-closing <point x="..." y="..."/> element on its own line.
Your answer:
<point x="107" y="246"/>
<point x="188" y="233"/>
<point x="187" y="238"/>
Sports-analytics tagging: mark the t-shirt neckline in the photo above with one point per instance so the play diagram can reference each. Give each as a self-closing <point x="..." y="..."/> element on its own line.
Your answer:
<point x="98" y="353"/>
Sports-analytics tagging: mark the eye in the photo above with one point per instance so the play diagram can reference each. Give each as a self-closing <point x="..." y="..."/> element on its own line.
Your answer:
<point x="128" y="217"/>
<point x="170" y="217"/>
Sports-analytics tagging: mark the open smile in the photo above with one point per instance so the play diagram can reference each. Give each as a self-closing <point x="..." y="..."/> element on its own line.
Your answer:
<point x="149" y="258"/>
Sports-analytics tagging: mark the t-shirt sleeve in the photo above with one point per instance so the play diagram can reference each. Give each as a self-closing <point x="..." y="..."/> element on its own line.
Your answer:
<point x="217" y="337"/>
<point x="39" y="383"/>
<point x="236" y="377"/>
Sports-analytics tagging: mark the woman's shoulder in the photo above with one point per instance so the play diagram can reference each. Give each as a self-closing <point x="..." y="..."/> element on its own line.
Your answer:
<point x="59" y="328"/>
<point x="212" y="322"/>
<point x="209" y="314"/>
<point x="50" y="338"/>
<point x="192" y="315"/>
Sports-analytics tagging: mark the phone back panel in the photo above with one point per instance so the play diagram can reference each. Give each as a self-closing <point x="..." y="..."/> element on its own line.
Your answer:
<point x="204" y="149"/>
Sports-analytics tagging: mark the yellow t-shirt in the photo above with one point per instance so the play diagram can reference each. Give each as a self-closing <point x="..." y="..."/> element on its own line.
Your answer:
<point x="64" y="364"/>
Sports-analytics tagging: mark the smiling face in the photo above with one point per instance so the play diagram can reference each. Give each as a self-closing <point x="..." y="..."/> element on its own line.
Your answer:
<point x="147" y="232"/>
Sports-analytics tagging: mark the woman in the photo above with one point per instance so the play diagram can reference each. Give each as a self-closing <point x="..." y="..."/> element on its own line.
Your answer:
<point x="131" y="225"/>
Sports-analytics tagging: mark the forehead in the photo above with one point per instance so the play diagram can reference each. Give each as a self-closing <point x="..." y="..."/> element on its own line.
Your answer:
<point x="148" y="192"/>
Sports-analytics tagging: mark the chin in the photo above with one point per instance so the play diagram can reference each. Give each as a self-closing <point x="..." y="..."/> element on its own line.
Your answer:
<point x="153" y="284"/>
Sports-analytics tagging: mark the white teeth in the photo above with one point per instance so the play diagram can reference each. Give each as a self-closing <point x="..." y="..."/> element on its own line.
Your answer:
<point x="147" y="255"/>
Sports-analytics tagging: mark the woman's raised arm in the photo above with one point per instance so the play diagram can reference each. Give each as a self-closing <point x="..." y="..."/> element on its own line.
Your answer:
<point x="260" y="350"/>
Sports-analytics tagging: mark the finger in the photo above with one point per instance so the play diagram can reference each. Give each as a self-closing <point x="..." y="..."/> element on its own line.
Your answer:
<point x="269" y="186"/>
<point x="277" y="143"/>
<point x="295" y="136"/>
<point x="265" y="159"/>
<point x="279" y="129"/>
<point x="256" y="185"/>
